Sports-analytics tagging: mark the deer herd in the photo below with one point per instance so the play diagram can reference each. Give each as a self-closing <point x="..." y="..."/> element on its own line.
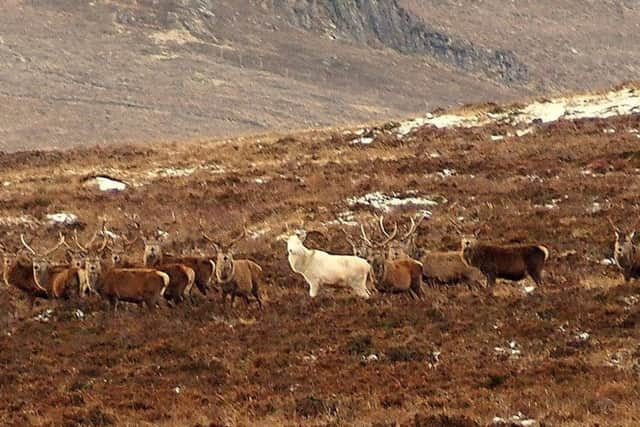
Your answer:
<point x="394" y="263"/>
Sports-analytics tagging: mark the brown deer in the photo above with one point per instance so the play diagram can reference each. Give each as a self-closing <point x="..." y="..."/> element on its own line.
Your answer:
<point x="241" y="277"/>
<point x="393" y="275"/>
<point x="18" y="272"/>
<point x="447" y="267"/>
<point x="181" y="277"/>
<point x="203" y="267"/>
<point x="59" y="281"/>
<point x="143" y="286"/>
<point x="510" y="262"/>
<point x="626" y="253"/>
<point x="404" y="246"/>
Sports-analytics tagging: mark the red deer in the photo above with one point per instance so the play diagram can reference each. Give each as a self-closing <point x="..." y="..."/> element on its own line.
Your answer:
<point x="60" y="281"/>
<point x="18" y="272"/>
<point x="137" y="285"/>
<point x="626" y="253"/>
<point x="181" y="277"/>
<point x="203" y="267"/>
<point x="236" y="277"/>
<point x="404" y="246"/>
<point x="443" y="268"/>
<point x="510" y="262"/>
<point x="393" y="275"/>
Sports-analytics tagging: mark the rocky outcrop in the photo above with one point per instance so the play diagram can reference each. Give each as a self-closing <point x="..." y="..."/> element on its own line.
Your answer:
<point x="384" y="23"/>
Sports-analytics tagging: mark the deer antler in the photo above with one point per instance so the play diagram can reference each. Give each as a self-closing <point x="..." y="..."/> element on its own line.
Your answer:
<point x="414" y="227"/>
<point x="77" y="242"/>
<point x="366" y="239"/>
<point x="379" y="244"/>
<point x="126" y="243"/>
<point x="381" y="224"/>
<point x="105" y="239"/>
<point x="456" y="225"/>
<point x="27" y="246"/>
<point x="215" y="243"/>
<point x="349" y="239"/>
<point x="55" y="248"/>
<point x="240" y="237"/>
<point x="615" y="228"/>
<point x="69" y="247"/>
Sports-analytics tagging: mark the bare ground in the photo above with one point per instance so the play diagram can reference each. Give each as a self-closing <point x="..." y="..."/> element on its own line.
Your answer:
<point x="303" y="361"/>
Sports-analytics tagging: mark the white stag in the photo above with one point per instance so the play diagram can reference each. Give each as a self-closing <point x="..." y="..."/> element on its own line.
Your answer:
<point x="320" y="268"/>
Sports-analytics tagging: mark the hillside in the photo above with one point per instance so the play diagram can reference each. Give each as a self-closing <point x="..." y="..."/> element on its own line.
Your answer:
<point x="77" y="73"/>
<point x="551" y="172"/>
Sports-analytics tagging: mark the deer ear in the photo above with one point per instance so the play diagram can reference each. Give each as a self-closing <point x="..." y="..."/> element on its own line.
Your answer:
<point x="303" y="236"/>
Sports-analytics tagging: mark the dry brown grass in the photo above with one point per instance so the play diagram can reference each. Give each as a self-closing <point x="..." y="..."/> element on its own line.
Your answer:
<point x="301" y="361"/>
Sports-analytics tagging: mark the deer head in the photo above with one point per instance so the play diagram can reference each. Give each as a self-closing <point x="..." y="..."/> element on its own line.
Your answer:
<point x="93" y="267"/>
<point x="377" y="247"/>
<point x="224" y="258"/>
<point x="624" y="243"/>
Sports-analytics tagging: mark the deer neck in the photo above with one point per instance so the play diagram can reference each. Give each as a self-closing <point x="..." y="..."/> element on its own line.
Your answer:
<point x="229" y="277"/>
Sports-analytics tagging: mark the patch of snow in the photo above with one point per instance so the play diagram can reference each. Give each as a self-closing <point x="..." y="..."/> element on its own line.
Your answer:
<point x="79" y="314"/>
<point x="512" y="349"/>
<point x="162" y="235"/>
<point x="173" y="172"/>
<point x="344" y="218"/>
<point x="45" y="316"/>
<point x="62" y="218"/>
<point x="310" y="358"/>
<point x="372" y="358"/>
<point x="614" y="103"/>
<point x="256" y="234"/>
<point x="386" y="203"/>
<point x="583" y="336"/>
<point x="534" y="178"/>
<point x="609" y="130"/>
<point x="364" y="140"/>
<point x="6" y="184"/>
<point x="446" y="173"/>
<point x="608" y="261"/>
<point x="177" y="390"/>
<point x="552" y="204"/>
<point x="529" y="289"/>
<point x="497" y="137"/>
<point x="434" y="359"/>
<point x="523" y="132"/>
<point x="518" y="420"/>
<point x="104" y="183"/>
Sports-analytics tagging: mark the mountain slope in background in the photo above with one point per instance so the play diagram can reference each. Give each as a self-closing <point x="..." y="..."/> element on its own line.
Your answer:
<point x="76" y="72"/>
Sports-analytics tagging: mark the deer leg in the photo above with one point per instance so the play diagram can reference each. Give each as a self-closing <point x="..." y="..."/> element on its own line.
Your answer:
<point x="314" y="287"/>
<point x="491" y="279"/>
<point x="536" y="275"/>
<point x="256" y="293"/>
